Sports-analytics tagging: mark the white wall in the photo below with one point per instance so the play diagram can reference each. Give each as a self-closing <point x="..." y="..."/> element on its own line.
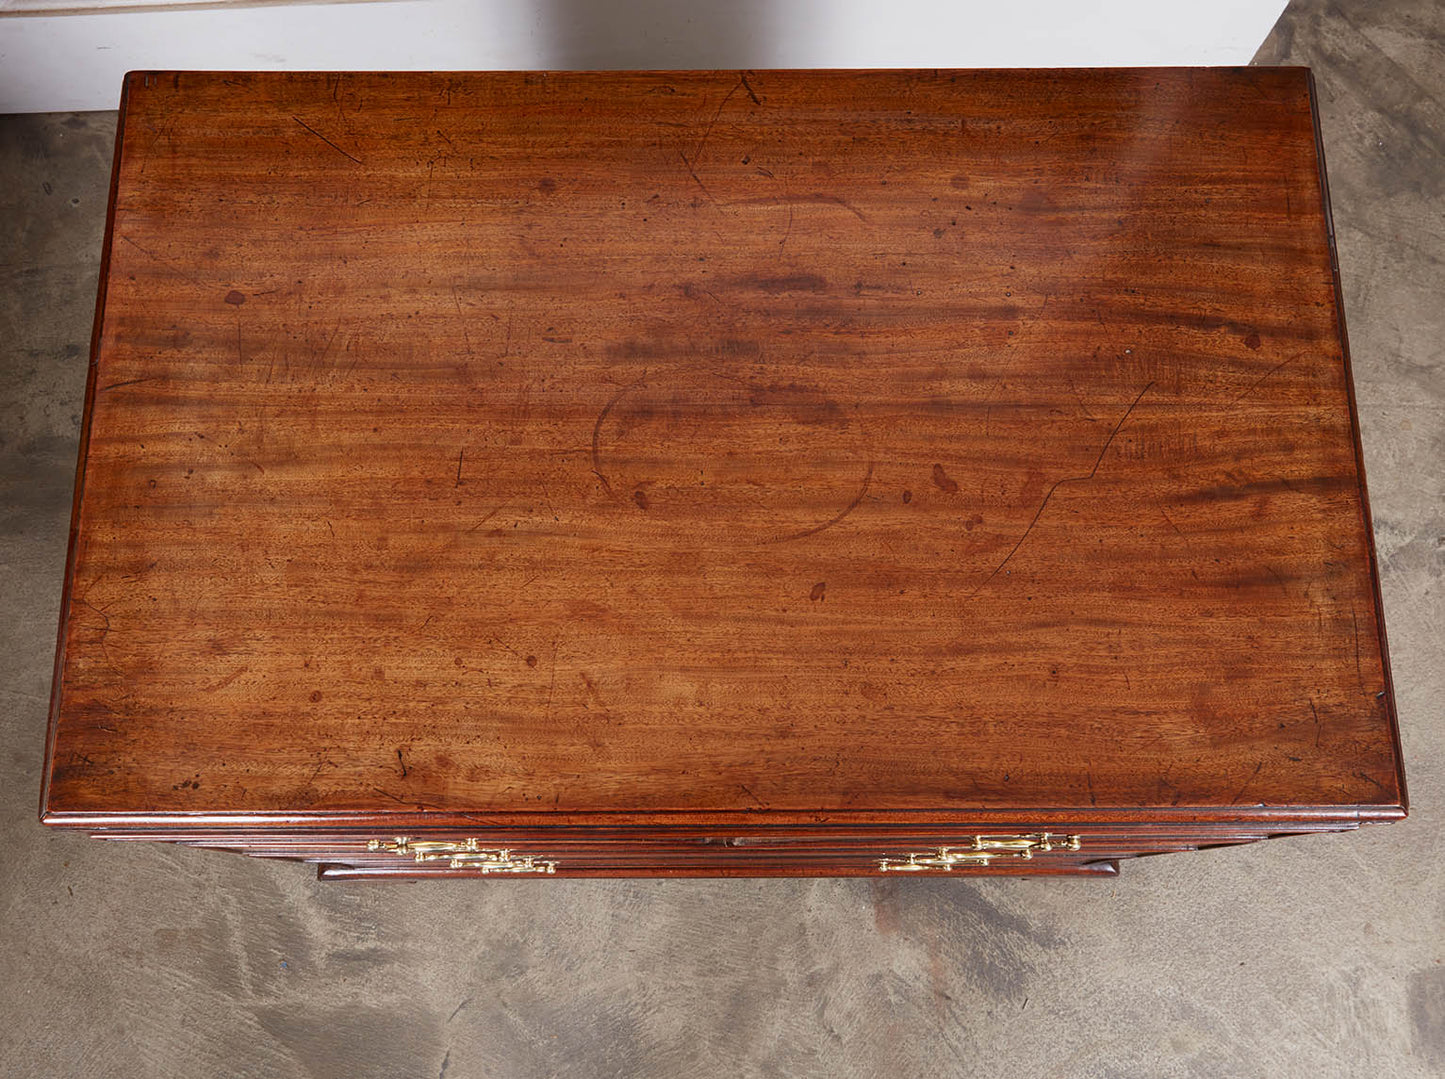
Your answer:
<point x="75" y="61"/>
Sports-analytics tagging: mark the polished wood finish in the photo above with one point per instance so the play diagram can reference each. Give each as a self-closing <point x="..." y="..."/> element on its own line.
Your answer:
<point x="917" y="453"/>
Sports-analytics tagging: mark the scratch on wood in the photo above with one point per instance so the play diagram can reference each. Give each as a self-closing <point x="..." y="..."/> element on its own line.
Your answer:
<point x="106" y="628"/>
<point x="693" y="173"/>
<point x="319" y="765"/>
<point x="1059" y="483"/>
<point x="818" y="196"/>
<point x="791" y="200"/>
<point x="329" y="341"/>
<point x="328" y="142"/>
<point x="849" y="508"/>
<point x="1373" y="782"/>
<point x="597" y="432"/>
<point x="1266" y="376"/>
<point x="224" y="682"/>
<point x="1240" y="793"/>
<point x="697" y="154"/>
<point x="129" y="382"/>
<point x="1173" y="525"/>
<point x="164" y="262"/>
<point x="743" y="79"/>
<point x="487" y="518"/>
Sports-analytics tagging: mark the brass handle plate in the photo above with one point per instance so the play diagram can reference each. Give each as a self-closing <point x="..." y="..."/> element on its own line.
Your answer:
<point x="463" y="854"/>
<point x="980" y="850"/>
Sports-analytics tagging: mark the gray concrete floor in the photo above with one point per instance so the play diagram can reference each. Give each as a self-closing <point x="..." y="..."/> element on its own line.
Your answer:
<point x="1322" y="956"/>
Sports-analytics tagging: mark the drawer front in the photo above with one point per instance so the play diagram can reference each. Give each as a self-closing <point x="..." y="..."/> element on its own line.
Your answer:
<point x="1085" y="849"/>
<point x="1037" y="852"/>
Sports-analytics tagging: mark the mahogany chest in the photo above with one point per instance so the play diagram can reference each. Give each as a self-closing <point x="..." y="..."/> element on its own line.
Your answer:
<point x="720" y="473"/>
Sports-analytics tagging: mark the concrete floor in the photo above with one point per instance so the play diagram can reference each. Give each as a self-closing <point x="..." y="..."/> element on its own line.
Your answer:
<point x="1312" y="957"/>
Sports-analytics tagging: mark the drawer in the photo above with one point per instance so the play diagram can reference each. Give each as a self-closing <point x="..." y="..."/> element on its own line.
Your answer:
<point x="819" y="867"/>
<point x="1085" y="849"/>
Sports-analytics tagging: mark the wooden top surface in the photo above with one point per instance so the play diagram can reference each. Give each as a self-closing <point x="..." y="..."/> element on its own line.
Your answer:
<point x="826" y="445"/>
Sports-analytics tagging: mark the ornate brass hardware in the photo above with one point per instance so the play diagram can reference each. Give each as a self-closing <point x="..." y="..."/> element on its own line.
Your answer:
<point x="463" y="854"/>
<point x="980" y="850"/>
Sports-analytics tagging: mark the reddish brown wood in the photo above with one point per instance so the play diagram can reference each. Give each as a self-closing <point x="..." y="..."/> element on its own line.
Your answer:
<point x="920" y="452"/>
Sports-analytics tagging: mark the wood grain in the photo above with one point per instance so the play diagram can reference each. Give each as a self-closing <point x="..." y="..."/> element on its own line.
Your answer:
<point x="787" y="447"/>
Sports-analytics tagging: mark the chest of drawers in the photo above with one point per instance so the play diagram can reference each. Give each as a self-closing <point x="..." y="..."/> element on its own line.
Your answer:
<point x="726" y="473"/>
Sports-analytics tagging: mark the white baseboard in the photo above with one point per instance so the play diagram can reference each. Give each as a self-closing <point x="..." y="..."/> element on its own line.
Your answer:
<point x="55" y="62"/>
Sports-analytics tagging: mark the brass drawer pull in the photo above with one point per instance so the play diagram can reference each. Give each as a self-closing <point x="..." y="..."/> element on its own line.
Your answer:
<point x="463" y="854"/>
<point x="980" y="850"/>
